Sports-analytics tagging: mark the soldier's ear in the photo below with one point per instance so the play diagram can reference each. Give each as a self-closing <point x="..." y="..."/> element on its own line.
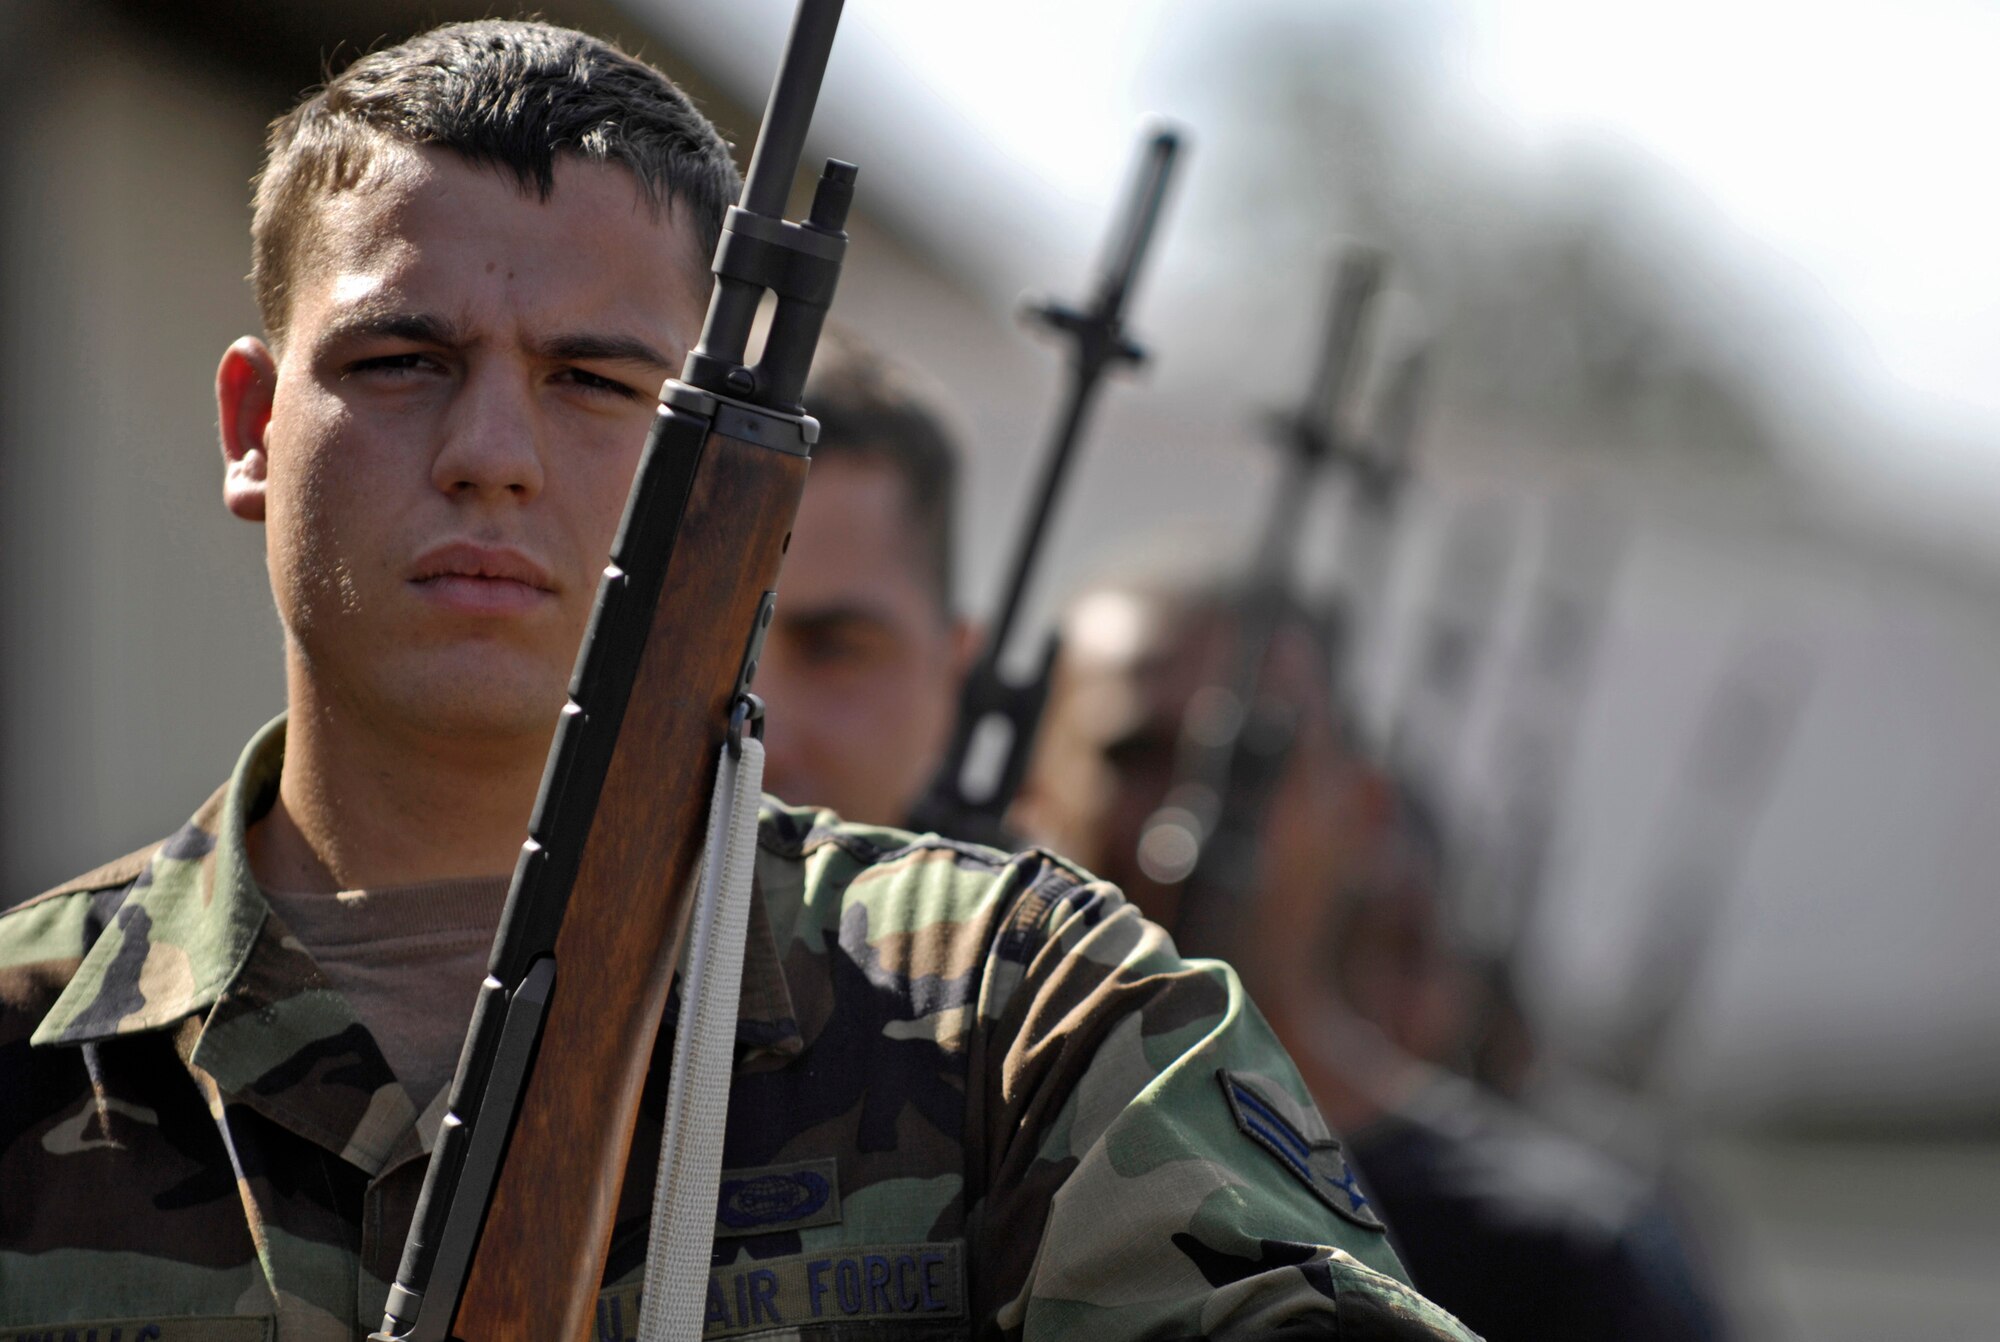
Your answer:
<point x="245" y="383"/>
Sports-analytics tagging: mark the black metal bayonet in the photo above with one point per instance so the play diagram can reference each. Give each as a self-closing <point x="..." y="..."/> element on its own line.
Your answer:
<point x="997" y="716"/>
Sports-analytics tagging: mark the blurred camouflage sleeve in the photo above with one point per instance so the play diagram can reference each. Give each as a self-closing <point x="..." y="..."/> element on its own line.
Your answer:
<point x="1153" y="1165"/>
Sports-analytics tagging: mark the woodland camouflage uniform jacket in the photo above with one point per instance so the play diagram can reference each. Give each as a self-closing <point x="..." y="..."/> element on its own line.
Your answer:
<point x="974" y="1096"/>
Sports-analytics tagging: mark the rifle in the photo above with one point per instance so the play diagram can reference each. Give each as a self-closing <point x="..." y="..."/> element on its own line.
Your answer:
<point x="1377" y="478"/>
<point x="1550" y="670"/>
<point x="1229" y="752"/>
<point x="1428" y="724"/>
<point x="966" y="801"/>
<point x="512" y="1228"/>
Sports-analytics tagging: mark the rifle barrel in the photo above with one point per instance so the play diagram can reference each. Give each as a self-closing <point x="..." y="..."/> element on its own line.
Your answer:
<point x="1055" y="467"/>
<point x="1099" y="341"/>
<point x="781" y="138"/>
<point x="1201" y="835"/>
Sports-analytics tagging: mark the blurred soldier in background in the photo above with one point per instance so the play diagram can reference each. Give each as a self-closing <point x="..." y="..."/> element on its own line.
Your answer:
<point x="1521" y="1231"/>
<point x="1524" y="1233"/>
<point x="865" y="655"/>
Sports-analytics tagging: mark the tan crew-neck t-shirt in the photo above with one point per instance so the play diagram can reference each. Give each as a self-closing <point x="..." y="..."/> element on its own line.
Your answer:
<point x="409" y="959"/>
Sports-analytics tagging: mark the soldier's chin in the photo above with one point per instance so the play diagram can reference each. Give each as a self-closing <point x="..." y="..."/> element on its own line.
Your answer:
<point x="492" y="703"/>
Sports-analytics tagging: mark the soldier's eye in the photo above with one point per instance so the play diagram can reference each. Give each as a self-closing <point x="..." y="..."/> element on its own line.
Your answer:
<point x="1141" y="753"/>
<point x="391" y="364"/>
<point x="599" y="384"/>
<point x="830" y="646"/>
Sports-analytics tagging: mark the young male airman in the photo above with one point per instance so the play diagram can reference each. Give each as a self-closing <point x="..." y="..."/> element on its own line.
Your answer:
<point x="1005" y="1105"/>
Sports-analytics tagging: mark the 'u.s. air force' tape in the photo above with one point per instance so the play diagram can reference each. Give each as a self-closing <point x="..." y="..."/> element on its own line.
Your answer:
<point x="860" y="1283"/>
<point x="205" y="1328"/>
<point x="1298" y="1138"/>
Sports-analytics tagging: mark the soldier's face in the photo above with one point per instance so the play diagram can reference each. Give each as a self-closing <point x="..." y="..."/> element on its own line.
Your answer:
<point x="1107" y="758"/>
<point x="442" y="449"/>
<point x="862" y="665"/>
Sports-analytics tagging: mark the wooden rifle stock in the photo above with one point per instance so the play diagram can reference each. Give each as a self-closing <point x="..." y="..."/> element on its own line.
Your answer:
<point x="536" y="1269"/>
<point x="514" y="1224"/>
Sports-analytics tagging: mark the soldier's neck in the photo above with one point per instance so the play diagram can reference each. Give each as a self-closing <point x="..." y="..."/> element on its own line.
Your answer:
<point x="364" y="809"/>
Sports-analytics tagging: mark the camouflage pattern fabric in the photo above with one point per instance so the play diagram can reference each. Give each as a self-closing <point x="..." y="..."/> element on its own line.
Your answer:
<point x="974" y="1096"/>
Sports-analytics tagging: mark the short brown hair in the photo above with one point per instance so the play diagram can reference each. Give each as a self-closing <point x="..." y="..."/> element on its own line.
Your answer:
<point x="870" y="409"/>
<point x="509" y="95"/>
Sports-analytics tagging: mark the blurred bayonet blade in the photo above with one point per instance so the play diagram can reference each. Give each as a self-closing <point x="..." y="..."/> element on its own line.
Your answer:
<point x="1134" y="234"/>
<point x="1357" y="283"/>
<point x="1097" y="343"/>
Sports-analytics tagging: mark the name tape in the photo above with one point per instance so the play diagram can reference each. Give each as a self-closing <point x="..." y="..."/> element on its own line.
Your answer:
<point x="852" y="1284"/>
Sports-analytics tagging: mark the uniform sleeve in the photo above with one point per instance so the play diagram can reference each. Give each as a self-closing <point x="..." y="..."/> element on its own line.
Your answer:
<point x="1153" y="1165"/>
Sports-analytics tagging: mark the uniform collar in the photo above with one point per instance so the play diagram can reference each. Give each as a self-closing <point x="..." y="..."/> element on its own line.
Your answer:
<point x="194" y="943"/>
<point x="188" y="923"/>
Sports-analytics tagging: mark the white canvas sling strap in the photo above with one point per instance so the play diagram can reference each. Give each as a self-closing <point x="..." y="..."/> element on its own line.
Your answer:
<point x="677" y="1255"/>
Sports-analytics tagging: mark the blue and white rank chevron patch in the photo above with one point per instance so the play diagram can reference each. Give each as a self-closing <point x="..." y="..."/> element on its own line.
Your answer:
<point x="1298" y="1139"/>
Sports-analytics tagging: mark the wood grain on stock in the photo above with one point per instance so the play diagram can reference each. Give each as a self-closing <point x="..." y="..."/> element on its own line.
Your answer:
<point x="535" y="1274"/>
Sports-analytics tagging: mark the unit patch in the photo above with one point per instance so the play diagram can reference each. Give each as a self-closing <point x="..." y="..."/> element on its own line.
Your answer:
<point x="1298" y="1139"/>
<point x="778" y="1197"/>
<point x="890" y="1283"/>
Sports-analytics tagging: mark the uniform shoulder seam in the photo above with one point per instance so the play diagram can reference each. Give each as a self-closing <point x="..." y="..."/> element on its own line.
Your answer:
<point x="866" y="850"/>
<point x="1056" y="880"/>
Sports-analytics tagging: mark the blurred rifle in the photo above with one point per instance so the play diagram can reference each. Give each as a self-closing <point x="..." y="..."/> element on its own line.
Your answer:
<point x="1375" y="489"/>
<point x="1541" y="709"/>
<point x="1501" y="872"/>
<point x="513" y="1226"/>
<point x="1427" y="723"/>
<point x="979" y="777"/>
<point x="1201" y="842"/>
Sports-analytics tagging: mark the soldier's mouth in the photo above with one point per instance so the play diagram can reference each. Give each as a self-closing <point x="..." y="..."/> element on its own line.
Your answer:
<point x="481" y="579"/>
